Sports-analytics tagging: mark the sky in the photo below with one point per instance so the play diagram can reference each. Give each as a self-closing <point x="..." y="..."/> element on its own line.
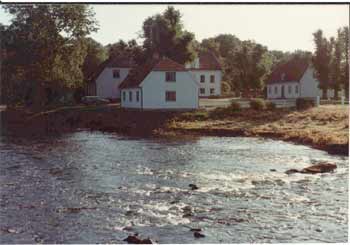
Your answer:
<point x="279" y="27"/>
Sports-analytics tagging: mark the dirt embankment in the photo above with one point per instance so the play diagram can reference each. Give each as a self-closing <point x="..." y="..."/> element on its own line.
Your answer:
<point x="324" y="127"/>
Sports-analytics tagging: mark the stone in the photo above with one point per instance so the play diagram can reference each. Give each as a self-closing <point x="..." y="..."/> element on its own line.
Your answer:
<point x="135" y="240"/>
<point x="197" y="234"/>
<point x="319" y="168"/>
<point x="193" y="187"/>
<point x="292" y="171"/>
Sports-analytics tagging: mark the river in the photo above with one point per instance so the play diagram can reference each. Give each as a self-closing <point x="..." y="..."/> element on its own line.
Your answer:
<point x="86" y="187"/>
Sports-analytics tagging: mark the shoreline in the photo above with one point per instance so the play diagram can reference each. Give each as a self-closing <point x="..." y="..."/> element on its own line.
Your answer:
<point x="323" y="128"/>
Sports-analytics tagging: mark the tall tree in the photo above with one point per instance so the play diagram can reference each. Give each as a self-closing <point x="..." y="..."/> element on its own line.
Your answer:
<point x="96" y="54"/>
<point x="322" y="61"/>
<point x="344" y="66"/>
<point x="48" y="44"/>
<point x="128" y="49"/>
<point x="335" y="65"/>
<point x="164" y="34"/>
<point x="251" y="66"/>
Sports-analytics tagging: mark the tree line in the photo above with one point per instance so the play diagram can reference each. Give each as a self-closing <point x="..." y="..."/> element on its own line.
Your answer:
<point x="47" y="53"/>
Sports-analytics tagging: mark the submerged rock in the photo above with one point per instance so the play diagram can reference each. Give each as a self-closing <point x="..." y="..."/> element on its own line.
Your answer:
<point x="135" y="240"/>
<point x="196" y="229"/>
<point x="315" y="169"/>
<point x="197" y="234"/>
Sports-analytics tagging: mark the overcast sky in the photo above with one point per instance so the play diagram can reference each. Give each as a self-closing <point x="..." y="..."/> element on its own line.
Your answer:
<point x="280" y="27"/>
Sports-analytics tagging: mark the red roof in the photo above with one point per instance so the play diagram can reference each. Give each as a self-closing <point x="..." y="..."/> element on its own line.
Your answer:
<point x="137" y="75"/>
<point x="208" y="61"/>
<point x="292" y="70"/>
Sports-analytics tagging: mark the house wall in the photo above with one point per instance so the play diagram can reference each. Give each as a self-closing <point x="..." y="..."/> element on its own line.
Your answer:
<point x="309" y="85"/>
<point x="154" y="87"/>
<point x="133" y="103"/>
<point x="207" y="85"/>
<point x="293" y="93"/>
<point x="107" y="86"/>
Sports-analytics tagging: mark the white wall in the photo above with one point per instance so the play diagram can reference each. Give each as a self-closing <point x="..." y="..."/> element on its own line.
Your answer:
<point x="293" y="93"/>
<point x="133" y="103"/>
<point x="154" y="87"/>
<point x="107" y="86"/>
<point x="309" y="84"/>
<point x="207" y="85"/>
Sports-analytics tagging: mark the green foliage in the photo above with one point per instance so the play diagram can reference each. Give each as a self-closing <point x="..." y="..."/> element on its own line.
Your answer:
<point x="44" y="47"/>
<point x="164" y="34"/>
<point x="303" y="104"/>
<point x="270" y="105"/>
<point x="257" y="104"/>
<point x="96" y="54"/>
<point x="321" y="60"/>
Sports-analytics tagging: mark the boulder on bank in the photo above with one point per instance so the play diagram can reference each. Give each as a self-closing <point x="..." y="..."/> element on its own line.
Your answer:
<point x="323" y="167"/>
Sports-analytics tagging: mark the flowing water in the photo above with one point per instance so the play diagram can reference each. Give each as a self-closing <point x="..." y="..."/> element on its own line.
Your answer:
<point x="99" y="188"/>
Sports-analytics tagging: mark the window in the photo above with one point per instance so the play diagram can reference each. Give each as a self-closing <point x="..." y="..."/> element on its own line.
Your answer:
<point x="269" y="91"/>
<point x="289" y="89"/>
<point x="137" y="96"/>
<point x="202" y="90"/>
<point x="296" y="89"/>
<point x="130" y="95"/>
<point x="212" y="78"/>
<point x="276" y="89"/>
<point x="170" y="76"/>
<point x="283" y="76"/>
<point x="202" y="78"/>
<point x="124" y="96"/>
<point x="212" y="90"/>
<point x="170" y="96"/>
<point x="116" y="74"/>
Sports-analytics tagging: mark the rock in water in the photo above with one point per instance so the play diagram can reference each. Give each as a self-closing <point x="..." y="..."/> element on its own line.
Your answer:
<point x="292" y="171"/>
<point x="319" y="168"/>
<point x="135" y="240"/>
<point x="193" y="187"/>
<point x="198" y="234"/>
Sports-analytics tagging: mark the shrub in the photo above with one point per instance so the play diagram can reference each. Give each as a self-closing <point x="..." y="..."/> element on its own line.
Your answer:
<point x="270" y="105"/>
<point x="235" y="106"/>
<point x="257" y="104"/>
<point x="303" y="104"/>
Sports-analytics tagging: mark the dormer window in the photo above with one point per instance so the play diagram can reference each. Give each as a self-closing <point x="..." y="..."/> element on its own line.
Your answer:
<point x="170" y="76"/>
<point x="116" y="73"/>
<point x="283" y="75"/>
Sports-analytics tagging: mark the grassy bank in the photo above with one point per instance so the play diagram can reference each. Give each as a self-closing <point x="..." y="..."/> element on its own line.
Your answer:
<point x="324" y="127"/>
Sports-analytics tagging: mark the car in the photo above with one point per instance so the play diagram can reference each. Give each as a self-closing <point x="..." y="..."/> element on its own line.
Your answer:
<point x="93" y="100"/>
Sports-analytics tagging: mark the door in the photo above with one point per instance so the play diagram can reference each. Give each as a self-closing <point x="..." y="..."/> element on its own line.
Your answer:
<point x="282" y="91"/>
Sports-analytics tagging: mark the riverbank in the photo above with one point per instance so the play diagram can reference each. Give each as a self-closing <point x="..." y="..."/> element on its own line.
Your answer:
<point x="325" y="127"/>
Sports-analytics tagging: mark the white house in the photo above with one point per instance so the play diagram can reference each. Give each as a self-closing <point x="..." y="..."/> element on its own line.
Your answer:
<point x="160" y="84"/>
<point x="111" y="73"/>
<point x="295" y="79"/>
<point x="208" y="73"/>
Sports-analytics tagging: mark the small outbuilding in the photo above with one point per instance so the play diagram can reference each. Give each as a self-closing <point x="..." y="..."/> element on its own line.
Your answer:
<point x="160" y="84"/>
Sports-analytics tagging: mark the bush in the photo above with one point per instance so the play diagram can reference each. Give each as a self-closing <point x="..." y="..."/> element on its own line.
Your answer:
<point x="270" y="105"/>
<point x="235" y="106"/>
<point x="257" y="104"/>
<point x="303" y="104"/>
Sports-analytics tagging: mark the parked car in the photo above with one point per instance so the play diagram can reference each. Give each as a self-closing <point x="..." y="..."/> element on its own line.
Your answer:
<point x="93" y="100"/>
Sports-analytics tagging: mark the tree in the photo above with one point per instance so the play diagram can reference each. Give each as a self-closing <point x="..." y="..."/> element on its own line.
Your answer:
<point x="127" y="50"/>
<point x="344" y="66"/>
<point x="251" y="65"/>
<point x="96" y="54"/>
<point x="335" y="65"/>
<point x="322" y="60"/>
<point x="47" y="45"/>
<point x="164" y="34"/>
